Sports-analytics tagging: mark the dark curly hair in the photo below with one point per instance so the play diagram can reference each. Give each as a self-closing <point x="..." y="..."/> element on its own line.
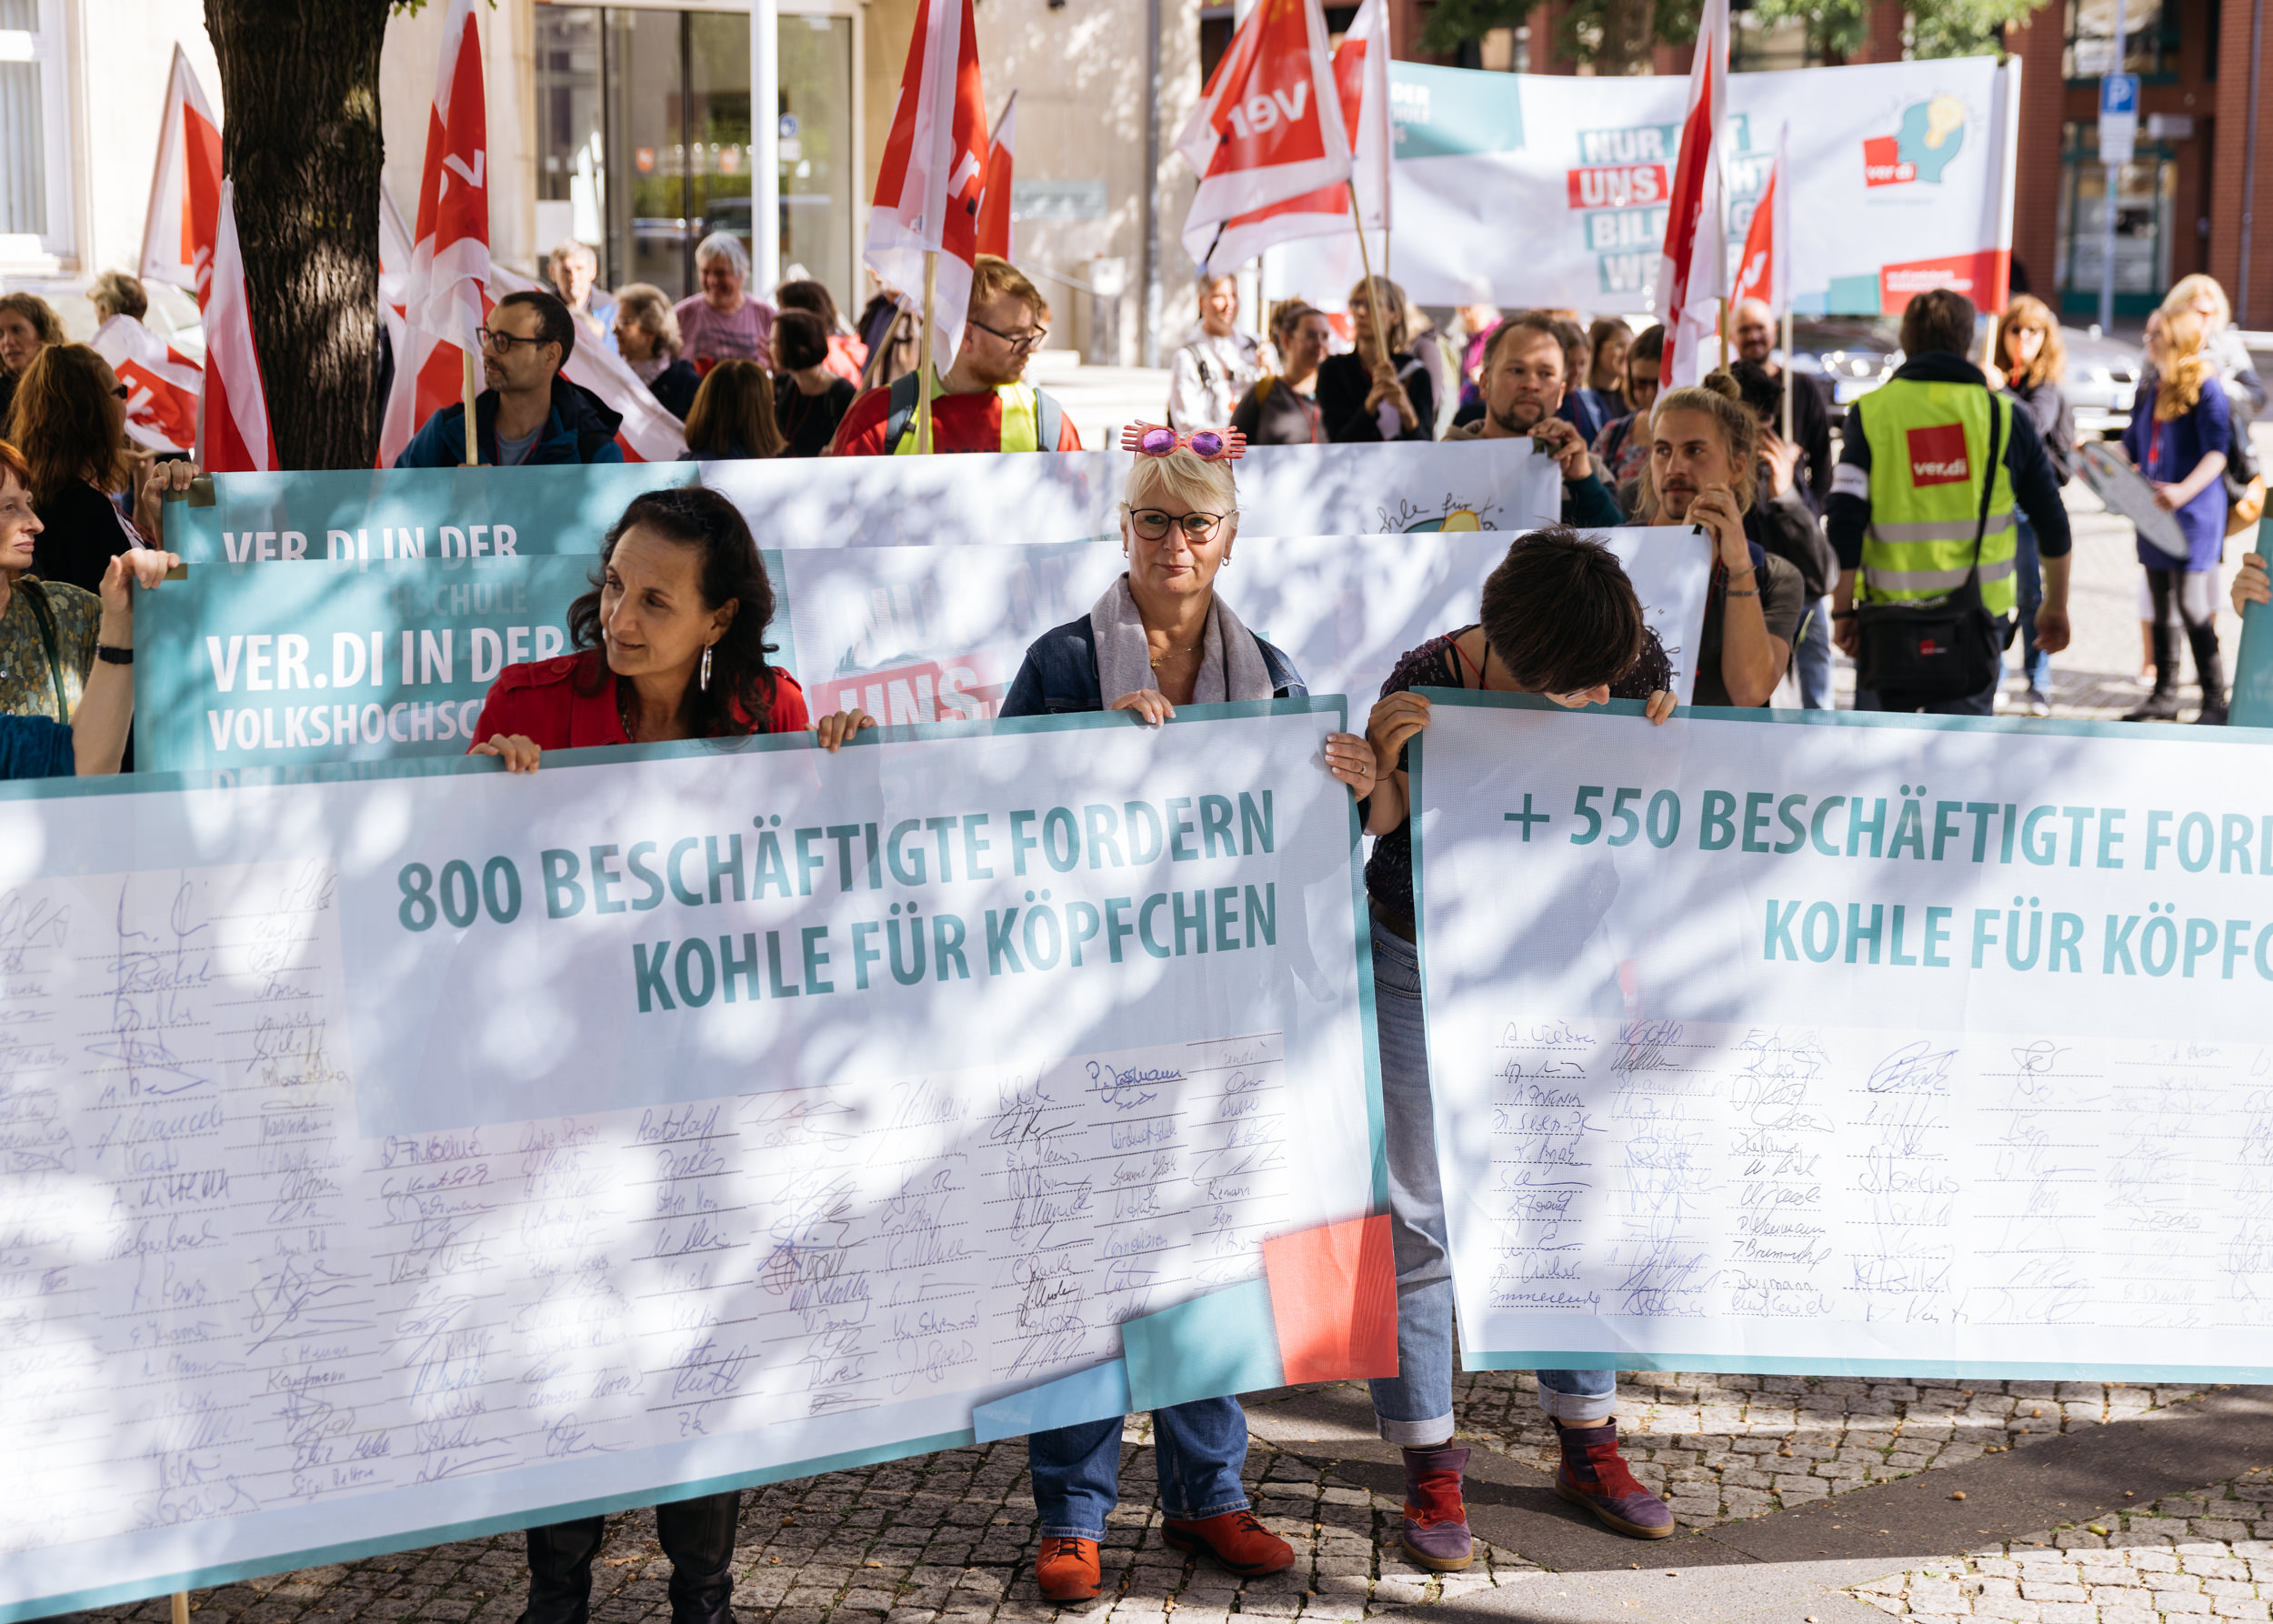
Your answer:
<point x="1561" y="615"/>
<point x="740" y="699"/>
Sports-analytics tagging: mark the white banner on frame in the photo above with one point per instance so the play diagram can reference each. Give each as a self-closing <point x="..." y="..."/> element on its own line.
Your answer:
<point x="389" y="1159"/>
<point x="1891" y="1047"/>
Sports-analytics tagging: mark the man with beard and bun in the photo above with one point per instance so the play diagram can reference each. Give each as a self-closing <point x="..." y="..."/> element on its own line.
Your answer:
<point x="1525" y="376"/>
<point x="983" y="403"/>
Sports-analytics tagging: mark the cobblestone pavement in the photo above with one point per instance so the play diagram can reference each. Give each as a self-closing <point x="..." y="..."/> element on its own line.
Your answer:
<point x="2208" y="1555"/>
<point x="949" y="1538"/>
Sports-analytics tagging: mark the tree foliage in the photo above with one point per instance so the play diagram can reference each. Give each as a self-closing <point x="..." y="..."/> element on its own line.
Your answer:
<point x="1617" y="35"/>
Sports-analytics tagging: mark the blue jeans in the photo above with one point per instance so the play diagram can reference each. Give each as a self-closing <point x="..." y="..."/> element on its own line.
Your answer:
<point x="2035" y="664"/>
<point x="1198" y="1448"/>
<point x="1983" y="704"/>
<point x="1811" y="657"/>
<point x="1414" y="1408"/>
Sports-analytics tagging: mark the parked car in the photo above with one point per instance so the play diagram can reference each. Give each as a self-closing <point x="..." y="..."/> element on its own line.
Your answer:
<point x="2102" y="381"/>
<point x="1851" y="354"/>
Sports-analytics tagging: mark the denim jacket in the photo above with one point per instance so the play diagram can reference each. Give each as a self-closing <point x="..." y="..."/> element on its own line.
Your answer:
<point x="1060" y="674"/>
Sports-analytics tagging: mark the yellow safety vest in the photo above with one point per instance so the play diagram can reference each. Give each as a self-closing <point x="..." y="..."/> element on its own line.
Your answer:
<point x="1929" y="445"/>
<point x="1021" y="426"/>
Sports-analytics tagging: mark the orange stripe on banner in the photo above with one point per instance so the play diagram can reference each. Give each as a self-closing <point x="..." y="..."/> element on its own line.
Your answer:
<point x="1333" y="1301"/>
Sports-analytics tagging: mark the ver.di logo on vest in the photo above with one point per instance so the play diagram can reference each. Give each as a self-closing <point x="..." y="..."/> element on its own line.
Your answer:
<point x="1938" y="455"/>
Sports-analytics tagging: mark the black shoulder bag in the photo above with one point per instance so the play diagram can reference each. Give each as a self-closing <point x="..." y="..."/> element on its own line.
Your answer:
<point x="1933" y="649"/>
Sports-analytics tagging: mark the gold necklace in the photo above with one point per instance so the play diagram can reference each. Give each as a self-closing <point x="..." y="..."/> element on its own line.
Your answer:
<point x="1170" y="654"/>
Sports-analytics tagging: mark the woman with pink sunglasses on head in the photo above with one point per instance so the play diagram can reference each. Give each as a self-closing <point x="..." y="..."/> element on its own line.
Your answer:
<point x="1160" y="637"/>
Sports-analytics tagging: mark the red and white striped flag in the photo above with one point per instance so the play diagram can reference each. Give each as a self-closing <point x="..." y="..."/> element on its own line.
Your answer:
<point x="162" y="384"/>
<point x="995" y="234"/>
<point x="1361" y="85"/>
<point x="1761" y="272"/>
<point x="935" y="166"/>
<point x="177" y="237"/>
<point x="1693" y="277"/>
<point x="449" y="258"/>
<point x="1268" y="127"/>
<point x="233" y="428"/>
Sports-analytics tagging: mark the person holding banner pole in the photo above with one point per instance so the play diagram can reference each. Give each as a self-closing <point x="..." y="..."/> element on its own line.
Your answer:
<point x="983" y="402"/>
<point x="1384" y="398"/>
<point x="1159" y="636"/>
<point x="671" y="644"/>
<point x="1559" y="617"/>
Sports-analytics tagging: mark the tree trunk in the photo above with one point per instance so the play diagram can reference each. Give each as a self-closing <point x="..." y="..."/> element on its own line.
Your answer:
<point x="300" y="136"/>
<point x="1629" y="31"/>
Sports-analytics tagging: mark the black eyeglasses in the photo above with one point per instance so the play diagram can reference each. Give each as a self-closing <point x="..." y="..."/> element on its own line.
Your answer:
<point x="501" y="344"/>
<point x="121" y="391"/>
<point x="1152" y="523"/>
<point x="1020" y="342"/>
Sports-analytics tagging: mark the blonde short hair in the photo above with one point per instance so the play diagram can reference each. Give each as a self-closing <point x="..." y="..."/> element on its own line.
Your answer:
<point x="991" y="277"/>
<point x="648" y="307"/>
<point x="1207" y="486"/>
<point x="2188" y="289"/>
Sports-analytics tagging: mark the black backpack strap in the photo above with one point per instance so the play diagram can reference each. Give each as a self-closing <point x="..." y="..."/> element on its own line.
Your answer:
<point x="905" y="389"/>
<point x="1998" y="411"/>
<point x="35" y="595"/>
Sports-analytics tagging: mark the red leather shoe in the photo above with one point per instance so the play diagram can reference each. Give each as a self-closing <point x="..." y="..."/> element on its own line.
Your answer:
<point x="1067" y="1570"/>
<point x="1235" y="1539"/>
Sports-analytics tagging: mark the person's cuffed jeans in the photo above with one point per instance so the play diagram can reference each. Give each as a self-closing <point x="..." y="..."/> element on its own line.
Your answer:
<point x="1197" y="1450"/>
<point x="698" y="1535"/>
<point x="1811" y="657"/>
<point x="1414" y="1408"/>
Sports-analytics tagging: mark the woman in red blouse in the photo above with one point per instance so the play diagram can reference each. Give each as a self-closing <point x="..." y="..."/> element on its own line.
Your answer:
<point x="672" y="639"/>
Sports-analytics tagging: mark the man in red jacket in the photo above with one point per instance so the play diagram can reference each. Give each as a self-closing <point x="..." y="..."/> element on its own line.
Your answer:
<point x="982" y="404"/>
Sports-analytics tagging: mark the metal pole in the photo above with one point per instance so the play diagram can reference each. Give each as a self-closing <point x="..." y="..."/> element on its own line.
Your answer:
<point x="766" y="142"/>
<point x="924" y="364"/>
<point x="2249" y="164"/>
<point x="2107" y="229"/>
<point x="1152" y="186"/>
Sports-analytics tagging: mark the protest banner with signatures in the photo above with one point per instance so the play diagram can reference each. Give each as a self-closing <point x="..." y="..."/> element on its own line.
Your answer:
<point x="379" y="515"/>
<point x="1916" y="1045"/>
<point x="946" y="1086"/>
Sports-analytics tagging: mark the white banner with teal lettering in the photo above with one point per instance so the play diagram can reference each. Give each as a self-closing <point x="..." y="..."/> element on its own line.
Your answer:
<point x="1883" y="1045"/>
<point x="373" y="659"/>
<point x="376" y="516"/>
<point x="398" y="1153"/>
<point x="1901" y="181"/>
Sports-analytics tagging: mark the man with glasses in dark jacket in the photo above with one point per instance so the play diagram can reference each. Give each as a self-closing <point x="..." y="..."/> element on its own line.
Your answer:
<point x="529" y="413"/>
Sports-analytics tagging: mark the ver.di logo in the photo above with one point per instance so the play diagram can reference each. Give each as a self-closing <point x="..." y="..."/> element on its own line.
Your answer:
<point x="1932" y="133"/>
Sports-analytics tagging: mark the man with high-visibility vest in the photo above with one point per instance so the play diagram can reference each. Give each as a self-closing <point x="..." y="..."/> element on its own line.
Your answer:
<point x="1907" y="498"/>
<point x="983" y="403"/>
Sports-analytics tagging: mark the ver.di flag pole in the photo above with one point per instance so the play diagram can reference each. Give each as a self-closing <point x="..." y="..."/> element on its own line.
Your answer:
<point x="1764" y="268"/>
<point x="1693" y="277"/>
<point x="924" y="222"/>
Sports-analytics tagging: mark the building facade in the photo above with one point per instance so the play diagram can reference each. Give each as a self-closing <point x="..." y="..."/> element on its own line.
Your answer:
<point x="628" y="127"/>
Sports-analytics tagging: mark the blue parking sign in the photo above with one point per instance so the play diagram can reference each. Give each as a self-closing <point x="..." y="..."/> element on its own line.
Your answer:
<point x="2119" y="93"/>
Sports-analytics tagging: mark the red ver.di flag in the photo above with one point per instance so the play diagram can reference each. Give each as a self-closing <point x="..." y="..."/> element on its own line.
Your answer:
<point x="234" y="432"/>
<point x="934" y="170"/>
<point x="1361" y="86"/>
<point x="449" y="259"/>
<point x="995" y="234"/>
<point x="162" y="384"/>
<point x="1760" y="271"/>
<point x="1695" y="275"/>
<point x="185" y="191"/>
<point x="1269" y="126"/>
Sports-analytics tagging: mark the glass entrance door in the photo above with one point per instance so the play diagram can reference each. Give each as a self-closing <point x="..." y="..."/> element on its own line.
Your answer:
<point x="644" y="139"/>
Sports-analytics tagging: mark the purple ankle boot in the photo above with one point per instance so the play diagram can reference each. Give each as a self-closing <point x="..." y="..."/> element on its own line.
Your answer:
<point x="1593" y="1475"/>
<point x="1435" y="1533"/>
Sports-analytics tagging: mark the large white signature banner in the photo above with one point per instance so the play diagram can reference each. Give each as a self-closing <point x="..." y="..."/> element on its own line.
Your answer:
<point x="1919" y="1046"/>
<point x="397" y="1159"/>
